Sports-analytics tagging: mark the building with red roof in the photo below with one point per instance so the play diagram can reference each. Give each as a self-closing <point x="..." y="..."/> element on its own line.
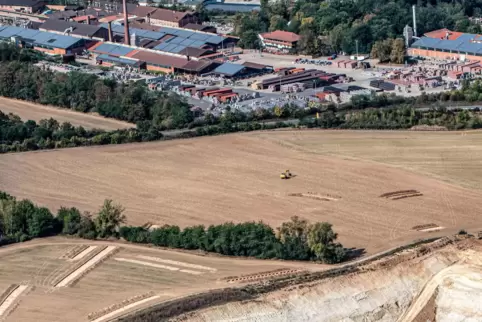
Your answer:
<point x="279" y="40"/>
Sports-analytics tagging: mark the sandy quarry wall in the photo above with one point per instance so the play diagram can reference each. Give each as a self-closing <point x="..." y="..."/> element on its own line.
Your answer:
<point x="381" y="295"/>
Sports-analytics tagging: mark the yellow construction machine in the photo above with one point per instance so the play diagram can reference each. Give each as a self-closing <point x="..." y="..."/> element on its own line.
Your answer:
<point x="285" y="175"/>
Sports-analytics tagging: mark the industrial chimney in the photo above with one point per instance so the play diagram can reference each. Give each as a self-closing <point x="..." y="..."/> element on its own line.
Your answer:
<point x="414" y="21"/>
<point x="127" y="38"/>
<point x="109" y="26"/>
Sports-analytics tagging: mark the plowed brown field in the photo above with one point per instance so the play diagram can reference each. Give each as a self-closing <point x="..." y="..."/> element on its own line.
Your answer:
<point x="236" y="178"/>
<point x="37" y="112"/>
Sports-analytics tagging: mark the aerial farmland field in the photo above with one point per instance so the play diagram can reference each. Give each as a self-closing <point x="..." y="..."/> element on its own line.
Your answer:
<point x="378" y="189"/>
<point x="37" y="112"/>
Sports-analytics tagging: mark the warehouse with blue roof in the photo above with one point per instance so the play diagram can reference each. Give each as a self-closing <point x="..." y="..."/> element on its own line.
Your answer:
<point x="447" y="44"/>
<point x="46" y="42"/>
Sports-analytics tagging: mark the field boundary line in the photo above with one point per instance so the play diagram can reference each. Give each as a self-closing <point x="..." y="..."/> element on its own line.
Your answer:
<point x="73" y="251"/>
<point x="85" y="267"/>
<point x="166" y="267"/>
<point x="8" y="301"/>
<point x="112" y="314"/>
<point x="182" y="264"/>
<point x="82" y="254"/>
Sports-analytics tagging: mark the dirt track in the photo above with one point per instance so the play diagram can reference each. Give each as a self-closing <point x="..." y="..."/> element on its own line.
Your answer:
<point x="236" y="178"/>
<point x="37" y="112"/>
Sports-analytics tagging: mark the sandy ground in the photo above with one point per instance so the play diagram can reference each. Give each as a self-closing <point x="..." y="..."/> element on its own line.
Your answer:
<point x="37" y="112"/>
<point x="37" y="262"/>
<point x="392" y="292"/>
<point x="213" y="180"/>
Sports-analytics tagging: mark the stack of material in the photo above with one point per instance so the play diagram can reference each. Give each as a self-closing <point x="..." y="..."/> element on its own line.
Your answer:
<point x="293" y="88"/>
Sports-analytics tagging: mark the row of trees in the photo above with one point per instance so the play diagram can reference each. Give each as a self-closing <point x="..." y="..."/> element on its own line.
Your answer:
<point x="402" y="117"/>
<point x="19" y="136"/>
<point x="21" y="220"/>
<point x="334" y="26"/>
<point x="296" y="239"/>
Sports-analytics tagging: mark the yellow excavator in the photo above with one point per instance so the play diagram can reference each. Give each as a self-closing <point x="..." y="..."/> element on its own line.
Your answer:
<point x="285" y="175"/>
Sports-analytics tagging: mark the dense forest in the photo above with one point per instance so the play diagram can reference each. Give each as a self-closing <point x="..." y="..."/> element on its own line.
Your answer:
<point x="297" y="239"/>
<point x="333" y="26"/>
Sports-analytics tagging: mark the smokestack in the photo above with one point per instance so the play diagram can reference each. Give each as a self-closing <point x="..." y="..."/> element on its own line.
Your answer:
<point x="414" y="21"/>
<point x="88" y="19"/>
<point x="109" y="28"/>
<point x="127" y="38"/>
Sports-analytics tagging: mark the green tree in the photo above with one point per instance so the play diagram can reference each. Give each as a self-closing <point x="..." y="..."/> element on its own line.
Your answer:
<point x="70" y="219"/>
<point x="87" y="227"/>
<point x="382" y="50"/>
<point x="277" y="22"/>
<point x="321" y="241"/>
<point x="397" y="54"/>
<point x="109" y="218"/>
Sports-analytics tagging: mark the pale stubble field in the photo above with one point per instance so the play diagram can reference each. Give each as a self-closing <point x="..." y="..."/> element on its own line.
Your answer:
<point x="339" y="177"/>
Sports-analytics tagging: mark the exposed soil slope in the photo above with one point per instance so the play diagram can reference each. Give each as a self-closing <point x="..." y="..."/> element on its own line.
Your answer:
<point x="393" y="293"/>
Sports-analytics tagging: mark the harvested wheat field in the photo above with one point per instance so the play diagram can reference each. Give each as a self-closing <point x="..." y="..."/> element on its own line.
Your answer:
<point x="37" y="112"/>
<point x="236" y="178"/>
<point x="129" y="279"/>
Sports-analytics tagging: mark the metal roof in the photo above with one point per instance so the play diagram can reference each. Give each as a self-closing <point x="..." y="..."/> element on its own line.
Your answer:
<point x="229" y="69"/>
<point x="112" y="49"/>
<point x="40" y="38"/>
<point x="118" y="60"/>
<point x="178" y="49"/>
<point x="232" y="7"/>
<point x="175" y="40"/>
<point x="462" y="44"/>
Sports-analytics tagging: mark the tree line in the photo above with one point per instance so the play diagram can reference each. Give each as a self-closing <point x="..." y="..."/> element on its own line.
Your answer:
<point x="333" y="26"/>
<point x="295" y="240"/>
<point x="22" y="220"/>
<point x="19" y="136"/>
<point x="400" y="117"/>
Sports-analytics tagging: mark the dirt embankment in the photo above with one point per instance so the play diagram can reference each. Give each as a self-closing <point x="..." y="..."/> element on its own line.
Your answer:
<point x="379" y="285"/>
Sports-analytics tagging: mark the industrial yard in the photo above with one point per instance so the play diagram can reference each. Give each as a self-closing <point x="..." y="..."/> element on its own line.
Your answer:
<point x="117" y="218"/>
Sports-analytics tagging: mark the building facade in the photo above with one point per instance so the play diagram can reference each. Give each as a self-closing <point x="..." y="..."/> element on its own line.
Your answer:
<point x="279" y="40"/>
<point x="444" y="44"/>
<point x="26" y="6"/>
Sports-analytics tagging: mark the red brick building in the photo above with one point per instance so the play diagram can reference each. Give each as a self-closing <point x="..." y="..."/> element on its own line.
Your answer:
<point x="166" y="17"/>
<point x="448" y="45"/>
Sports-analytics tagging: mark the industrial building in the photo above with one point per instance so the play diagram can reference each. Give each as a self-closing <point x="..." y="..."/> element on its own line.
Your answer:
<point x="173" y="40"/>
<point x="165" y="17"/>
<point x="450" y="45"/>
<point x="26" y="6"/>
<point x="279" y="40"/>
<point x="46" y="42"/>
<point x="110" y="54"/>
<point x="75" y="29"/>
<point x="247" y="69"/>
